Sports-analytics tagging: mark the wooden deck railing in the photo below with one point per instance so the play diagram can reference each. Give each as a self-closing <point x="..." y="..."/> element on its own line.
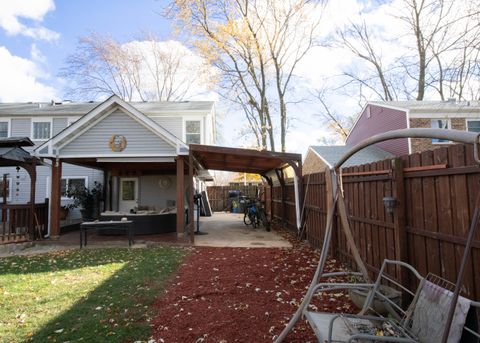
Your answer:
<point x="15" y="225"/>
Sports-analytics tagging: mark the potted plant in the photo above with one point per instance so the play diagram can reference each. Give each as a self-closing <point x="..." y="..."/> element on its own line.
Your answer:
<point x="65" y="209"/>
<point x="87" y="199"/>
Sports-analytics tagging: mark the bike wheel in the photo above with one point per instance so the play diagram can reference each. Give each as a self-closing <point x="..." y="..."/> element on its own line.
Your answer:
<point x="247" y="219"/>
<point x="254" y="220"/>
<point x="264" y="221"/>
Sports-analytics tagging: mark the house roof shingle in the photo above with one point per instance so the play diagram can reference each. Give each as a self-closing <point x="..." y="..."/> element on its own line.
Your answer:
<point x="81" y="108"/>
<point x="331" y="154"/>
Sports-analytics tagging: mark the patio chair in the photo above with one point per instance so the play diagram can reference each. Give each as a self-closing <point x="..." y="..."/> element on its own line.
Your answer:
<point x="422" y="320"/>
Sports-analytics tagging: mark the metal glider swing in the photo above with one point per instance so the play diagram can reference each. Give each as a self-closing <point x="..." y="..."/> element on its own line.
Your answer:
<point x="407" y="320"/>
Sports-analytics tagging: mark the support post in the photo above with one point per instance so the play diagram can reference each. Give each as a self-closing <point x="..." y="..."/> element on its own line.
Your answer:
<point x="281" y="179"/>
<point x="180" y="197"/>
<point x="398" y="192"/>
<point x="33" y="179"/>
<point x="190" y="199"/>
<point x="55" y="198"/>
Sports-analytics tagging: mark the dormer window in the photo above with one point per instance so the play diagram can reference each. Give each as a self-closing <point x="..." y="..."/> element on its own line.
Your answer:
<point x="41" y="130"/>
<point x="193" y="132"/>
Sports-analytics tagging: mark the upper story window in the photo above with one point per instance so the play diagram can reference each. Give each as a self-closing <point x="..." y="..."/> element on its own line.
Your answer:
<point x="473" y="125"/>
<point x="3" y="129"/>
<point x="41" y="129"/>
<point x="440" y="124"/>
<point x="193" y="131"/>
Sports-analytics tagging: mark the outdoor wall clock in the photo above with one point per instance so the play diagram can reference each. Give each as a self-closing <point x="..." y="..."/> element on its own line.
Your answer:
<point x="164" y="182"/>
<point x="117" y="143"/>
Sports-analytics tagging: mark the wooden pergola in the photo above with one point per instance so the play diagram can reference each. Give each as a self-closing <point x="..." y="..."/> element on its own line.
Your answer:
<point x="12" y="154"/>
<point x="208" y="157"/>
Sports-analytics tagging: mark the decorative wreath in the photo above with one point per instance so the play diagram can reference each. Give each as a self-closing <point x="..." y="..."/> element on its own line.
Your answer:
<point x="165" y="182"/>
<point x="117" y="143"/>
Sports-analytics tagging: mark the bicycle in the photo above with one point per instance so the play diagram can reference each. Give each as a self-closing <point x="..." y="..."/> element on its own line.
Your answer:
<point x="255" y="215"/>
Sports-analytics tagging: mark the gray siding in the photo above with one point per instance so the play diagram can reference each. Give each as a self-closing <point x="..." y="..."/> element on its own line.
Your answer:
<point x="59" y="124"/>
<point x="21" y="127"/>
<point x="172" y="124"/>
<point x="140" y="140"/>
<point x="150" y="194"/>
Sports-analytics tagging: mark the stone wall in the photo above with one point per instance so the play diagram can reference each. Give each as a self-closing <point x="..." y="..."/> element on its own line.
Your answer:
<point x="422" y="144"/>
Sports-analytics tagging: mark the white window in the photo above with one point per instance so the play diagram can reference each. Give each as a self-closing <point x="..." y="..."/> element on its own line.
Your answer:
<point x="69" y="183"/>
<point x="193" y="129"/>
<point x="440" y="124"/>
<point x="473" y="125"/>
<point x="9" y="188"/>
<point x="41" y="129"/>
<point x="4" y="129"/>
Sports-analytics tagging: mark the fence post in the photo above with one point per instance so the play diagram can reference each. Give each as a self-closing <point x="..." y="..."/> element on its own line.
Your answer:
<point x="399" y="213"/>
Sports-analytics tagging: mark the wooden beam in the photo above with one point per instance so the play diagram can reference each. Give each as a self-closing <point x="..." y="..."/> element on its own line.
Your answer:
<point x="342" y="212"/>
<point x="190" y="199"/>
<point x="180" y="197"/>
<point x="32" y="172"/>
<point x="55" y="198"/>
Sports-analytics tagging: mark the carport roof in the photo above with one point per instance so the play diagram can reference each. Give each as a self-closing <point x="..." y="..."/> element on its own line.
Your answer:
<point x="241" y="160"/>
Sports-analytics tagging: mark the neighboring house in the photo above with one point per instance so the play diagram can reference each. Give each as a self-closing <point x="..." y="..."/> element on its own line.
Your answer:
<point x="131" y="148"/>
<point x="320" y="157"/>
<point x="377" y="117"/>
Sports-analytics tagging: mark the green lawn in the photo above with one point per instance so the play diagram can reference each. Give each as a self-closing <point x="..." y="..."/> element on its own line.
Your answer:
<point x="98" y="295"/>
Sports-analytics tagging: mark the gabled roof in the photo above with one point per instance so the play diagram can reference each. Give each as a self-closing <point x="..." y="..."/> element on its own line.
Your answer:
<point x="95" y="114"/>
<point x="331" y="154"/>
<point x="82" y="108"/>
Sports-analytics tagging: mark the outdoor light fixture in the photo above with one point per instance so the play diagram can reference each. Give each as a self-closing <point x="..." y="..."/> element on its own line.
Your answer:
<point x="389" y="203"/>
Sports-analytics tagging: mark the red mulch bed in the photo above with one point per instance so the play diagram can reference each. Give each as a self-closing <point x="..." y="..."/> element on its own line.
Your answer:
<point x="241" y="295"/>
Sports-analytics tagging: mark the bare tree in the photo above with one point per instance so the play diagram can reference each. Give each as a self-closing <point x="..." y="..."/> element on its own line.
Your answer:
<point x="441" y="55"/>
<point x="256" y="46"/>
<point x="146" y="69"/>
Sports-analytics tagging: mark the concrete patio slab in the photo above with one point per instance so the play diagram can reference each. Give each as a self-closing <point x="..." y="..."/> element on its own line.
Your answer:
<point x="228" y="230"/>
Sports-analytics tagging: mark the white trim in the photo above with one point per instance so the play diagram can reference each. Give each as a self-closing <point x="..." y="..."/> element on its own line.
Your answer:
<point x="85" y="178"/>
<point x="184" y="128"/>
<point x="468" y="120"/>
<point x="444" y="114"/>
<point x="7" y="120"/>
<point x="34" y="120"/>
<point x="136" y="159"/>
<point x="114" y="101"/>
<point x="409" y="139"/>
<point x="110" y="155"/>
<point x="320" y="156"/>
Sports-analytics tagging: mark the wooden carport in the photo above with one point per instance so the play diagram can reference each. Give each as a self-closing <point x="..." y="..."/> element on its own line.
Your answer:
<point x="208" y="157"/>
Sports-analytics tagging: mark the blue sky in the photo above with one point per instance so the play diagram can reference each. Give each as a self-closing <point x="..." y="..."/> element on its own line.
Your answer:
<point x="123" y="19"/>
<point x="36" y="36"/>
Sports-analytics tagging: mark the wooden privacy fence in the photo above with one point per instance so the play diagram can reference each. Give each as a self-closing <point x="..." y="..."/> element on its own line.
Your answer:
<point x="435" y="193"/>
<point x="218" y="195"/>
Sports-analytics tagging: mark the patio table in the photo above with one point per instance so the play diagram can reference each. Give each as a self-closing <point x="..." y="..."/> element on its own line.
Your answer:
<point x="123" y="225"/>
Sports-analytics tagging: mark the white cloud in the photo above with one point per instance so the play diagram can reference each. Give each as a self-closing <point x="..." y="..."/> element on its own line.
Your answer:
<point x="20" y="79"/>
<point x="12" y="12"/>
